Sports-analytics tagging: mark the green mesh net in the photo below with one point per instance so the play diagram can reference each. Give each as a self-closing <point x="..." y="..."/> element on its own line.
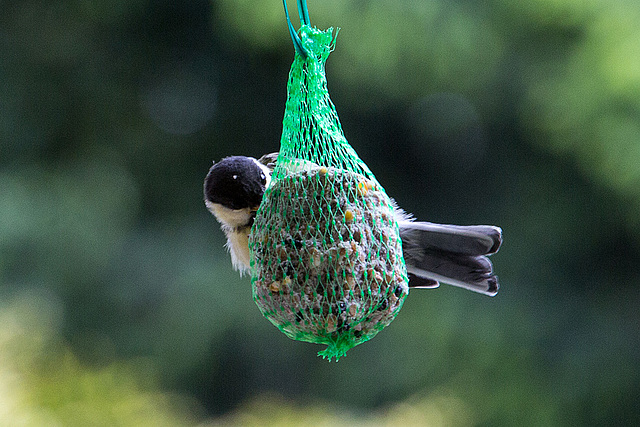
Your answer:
<point x="327" y="264"/>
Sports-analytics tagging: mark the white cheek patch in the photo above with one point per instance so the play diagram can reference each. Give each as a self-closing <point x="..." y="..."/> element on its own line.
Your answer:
<point x="229" y="218"/>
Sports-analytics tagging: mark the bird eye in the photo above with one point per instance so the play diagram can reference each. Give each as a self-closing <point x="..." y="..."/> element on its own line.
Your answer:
<point x="235" y="176"/>
<point x="263" y="178"/>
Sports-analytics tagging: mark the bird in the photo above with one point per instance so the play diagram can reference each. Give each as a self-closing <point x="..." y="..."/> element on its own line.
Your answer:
<point x="434" y="253"/>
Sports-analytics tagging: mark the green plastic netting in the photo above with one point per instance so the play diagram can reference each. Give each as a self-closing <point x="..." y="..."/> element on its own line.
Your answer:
<point x="326" y="257"/>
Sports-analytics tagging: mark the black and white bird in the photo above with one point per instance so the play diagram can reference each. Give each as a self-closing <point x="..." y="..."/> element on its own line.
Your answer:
<point x="452" y="254"/>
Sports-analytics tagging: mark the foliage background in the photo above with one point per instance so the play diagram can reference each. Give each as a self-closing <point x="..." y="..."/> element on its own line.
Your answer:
<point x="118" y="304"/>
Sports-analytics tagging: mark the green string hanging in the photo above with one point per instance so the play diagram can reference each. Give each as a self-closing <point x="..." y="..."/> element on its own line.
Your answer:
<point x="326" y="257"/>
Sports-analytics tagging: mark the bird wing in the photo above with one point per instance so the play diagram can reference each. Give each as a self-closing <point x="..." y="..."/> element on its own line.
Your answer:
<point x="269" y="160"/>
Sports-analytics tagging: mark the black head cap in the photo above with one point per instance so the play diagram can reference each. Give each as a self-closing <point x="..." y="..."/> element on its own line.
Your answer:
<point x="235" y="182"/>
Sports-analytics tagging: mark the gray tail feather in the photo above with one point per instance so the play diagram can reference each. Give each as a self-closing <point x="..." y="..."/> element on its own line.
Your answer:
<point x="468" y="272"/>
<point x="461" y="239"/>
<point x="450" y="254"/>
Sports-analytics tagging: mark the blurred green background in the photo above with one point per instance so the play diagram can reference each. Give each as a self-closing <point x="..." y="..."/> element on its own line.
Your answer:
<point x="118" y="303"/>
